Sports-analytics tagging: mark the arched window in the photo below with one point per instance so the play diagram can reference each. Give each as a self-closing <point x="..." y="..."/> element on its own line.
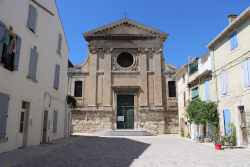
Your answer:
<point x="171" y="89"/>
<point x="125" y="59"/>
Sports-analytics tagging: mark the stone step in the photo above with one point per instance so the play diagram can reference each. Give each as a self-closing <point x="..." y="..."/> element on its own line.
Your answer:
<point x="125" y="133"/>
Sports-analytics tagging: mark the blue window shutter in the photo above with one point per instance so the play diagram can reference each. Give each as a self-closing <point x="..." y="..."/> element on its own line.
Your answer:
<point x="33" y="64"/>
<point x="55" y="122"/>
<point x="32" y="17"/>
<point x="246" y="73"/>
<point x="227" y="119"/>
<point x="17" y="54"/>
<point x="233" y="40"/>
<point x="224" y="82"/>
<point x="4" y="104"/>
<point x="207" y="90"/>
<point x="57" y="73"/>
<point x="59" y="44"/>
<point x="2" y="33"/>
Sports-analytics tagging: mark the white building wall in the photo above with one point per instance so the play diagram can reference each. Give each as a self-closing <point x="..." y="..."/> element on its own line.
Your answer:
<point x="19" y="87"/>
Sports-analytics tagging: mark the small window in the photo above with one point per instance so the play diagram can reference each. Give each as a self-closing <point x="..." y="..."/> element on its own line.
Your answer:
<point x="184" y="99"/>
<point x="59" y="44"/>
<point x="32" y="17"/>
<point x="233" y="40"/>
<point x="10" y="46"/>
<point x="224" y="83"/>
<point x="193" y="67"/>
<point x="171" y="89"/>
<point x="183" y="78"/>
<point x="195" y="93"/>
<point x="246" y="72"/>
<point x="78" y="89"/>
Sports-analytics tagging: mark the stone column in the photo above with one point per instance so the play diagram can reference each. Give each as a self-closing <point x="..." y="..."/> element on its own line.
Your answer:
<point x="158" y="79"/>
<point x="92" y="77"/>
<point x="107" y="79"/>
<point x="143" y="79"/>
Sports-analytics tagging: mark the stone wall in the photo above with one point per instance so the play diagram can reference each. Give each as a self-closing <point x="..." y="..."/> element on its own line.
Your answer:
<point x="91" y="121"/>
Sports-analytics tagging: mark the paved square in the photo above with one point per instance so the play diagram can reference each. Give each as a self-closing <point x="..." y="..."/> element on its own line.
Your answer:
<point x="162" y="150"/>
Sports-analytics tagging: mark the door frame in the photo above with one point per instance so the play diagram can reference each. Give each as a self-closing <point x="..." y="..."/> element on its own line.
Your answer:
<point x="125" y="90"/>
<point x="45" y="125"/>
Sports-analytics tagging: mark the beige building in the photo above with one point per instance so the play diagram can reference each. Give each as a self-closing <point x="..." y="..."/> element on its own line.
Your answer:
<point x="125" y="82"/>
<point x="231" y="70"/>
<point x="33" y="74"/>
<point x="194" y="81"/>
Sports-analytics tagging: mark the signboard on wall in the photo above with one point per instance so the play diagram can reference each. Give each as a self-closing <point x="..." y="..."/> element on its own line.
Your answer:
<point x="120" y="118"/>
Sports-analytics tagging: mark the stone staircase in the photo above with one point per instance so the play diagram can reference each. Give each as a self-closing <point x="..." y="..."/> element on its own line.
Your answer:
<point x="125" y="132"/>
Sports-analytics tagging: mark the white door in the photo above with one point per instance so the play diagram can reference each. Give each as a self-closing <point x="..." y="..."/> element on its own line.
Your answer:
<point x="21" y="129"/>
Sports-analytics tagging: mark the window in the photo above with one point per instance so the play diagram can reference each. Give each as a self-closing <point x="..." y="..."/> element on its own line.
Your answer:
<point x="59" y="44"/>
<point x="125" y="59"/>
<point x="10" y="46"/>
<point x="184" y="99"/>
<point x="206" y="84"/>
<point x="193" y="67"/>
<point x="224" y="83"/>
<point x="233" y="40"/>
<point x="183" y="78"/>
<point x="195" y="93"/>
<point x="55" y="121"/>
<point x="4" y="103"/>
<point x="57" y="73"/>
<point x="78" y="88"/>
<point x="246" y="72"/>
<point x="171" y="89"/>
<point x="32" y="17"/>
<point x="33" y="64"/>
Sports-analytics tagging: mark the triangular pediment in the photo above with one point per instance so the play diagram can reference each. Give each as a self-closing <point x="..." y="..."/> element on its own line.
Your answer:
<point x="124" y="27"/>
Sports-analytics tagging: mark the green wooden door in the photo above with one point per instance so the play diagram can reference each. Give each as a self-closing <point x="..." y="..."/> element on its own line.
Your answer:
<point x="125" y="109"/>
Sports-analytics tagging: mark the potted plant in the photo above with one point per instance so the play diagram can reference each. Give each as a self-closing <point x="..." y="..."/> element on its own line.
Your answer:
<point x="188" y="135"/>
<point x="217" y="134"/>
<point x="231" y="133"/>
<point x="182" y="132"/>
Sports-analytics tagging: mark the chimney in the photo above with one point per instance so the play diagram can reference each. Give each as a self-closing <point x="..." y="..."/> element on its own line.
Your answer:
<point x="231" y="18"/>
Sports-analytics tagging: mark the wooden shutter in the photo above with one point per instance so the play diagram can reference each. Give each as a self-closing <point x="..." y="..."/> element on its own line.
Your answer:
<point x="78" y="88"/>
<point x="4" y="104"/>
<point x="227" y="119"/>
<point x="33" y="64"/>
<point x="59" y="44"/>
<point x="224" y="82"/>
<point x="57" y="73"/>
<point x="32" y="17"/>
<point x="233" y="40"/>
<point x="207" y="90"/>
<point x="55" y="122"/>
<point x="17" y="54"/>
<point x="210" y="128"/>
<point x="171" y="89"/>
<point x="246" y="72"/>
<point x="195" y="93"/>
<point x="2" y="32"/>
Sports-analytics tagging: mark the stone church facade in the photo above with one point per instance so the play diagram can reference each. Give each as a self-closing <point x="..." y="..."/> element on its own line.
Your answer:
<point x="125" y="82"/>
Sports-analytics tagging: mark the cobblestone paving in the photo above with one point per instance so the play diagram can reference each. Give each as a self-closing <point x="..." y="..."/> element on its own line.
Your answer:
<point x="155" y="151"/>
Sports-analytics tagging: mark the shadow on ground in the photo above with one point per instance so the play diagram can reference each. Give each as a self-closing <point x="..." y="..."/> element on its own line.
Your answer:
<point x="92" y="151"/>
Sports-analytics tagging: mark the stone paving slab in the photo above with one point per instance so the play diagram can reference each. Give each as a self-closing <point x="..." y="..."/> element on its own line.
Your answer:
<point x="137" y="151"/>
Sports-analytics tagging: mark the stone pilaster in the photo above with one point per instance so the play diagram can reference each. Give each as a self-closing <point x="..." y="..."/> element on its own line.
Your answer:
<point x="158" y="79"/>
<point x="92" y="77"/>
<point x="143" y="79"/>
<point x="107" y="78"/>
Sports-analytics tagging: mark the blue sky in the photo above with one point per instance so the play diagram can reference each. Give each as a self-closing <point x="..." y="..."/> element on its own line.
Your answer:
<point x="191" y="24"/>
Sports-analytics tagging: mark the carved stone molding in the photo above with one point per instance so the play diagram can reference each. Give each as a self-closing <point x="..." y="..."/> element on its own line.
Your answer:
<point x="117" y="67"/>
<point x="142" y="50"/>
<point x="93" y="50"/>
<point x="157" y="50"/>
<point x="132" y="51"/>
<point x="107" y="50"/>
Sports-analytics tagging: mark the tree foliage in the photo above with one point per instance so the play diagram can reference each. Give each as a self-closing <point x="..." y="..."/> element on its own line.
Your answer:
<point x="71" y="101"/>
<point x="201" y="112"/>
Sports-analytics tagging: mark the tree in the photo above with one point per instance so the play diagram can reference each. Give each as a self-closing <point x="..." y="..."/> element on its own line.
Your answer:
<point x="71" y="101"/>
<point x="200" y="112"/>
